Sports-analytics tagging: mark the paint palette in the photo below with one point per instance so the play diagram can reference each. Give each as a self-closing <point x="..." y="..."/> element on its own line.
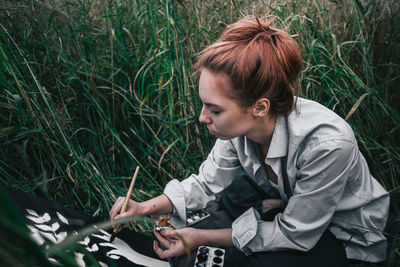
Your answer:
<point x="209" y="257"/>
<point x="163" y="224"/>
<point x="193" y="217"/>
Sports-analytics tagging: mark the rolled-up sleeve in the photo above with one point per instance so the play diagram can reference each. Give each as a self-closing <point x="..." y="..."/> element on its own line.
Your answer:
<point x="215" y="174"/>
<point x="323" y="171"/>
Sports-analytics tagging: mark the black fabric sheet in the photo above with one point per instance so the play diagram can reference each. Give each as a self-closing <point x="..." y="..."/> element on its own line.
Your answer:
<point x="51" y="222"/>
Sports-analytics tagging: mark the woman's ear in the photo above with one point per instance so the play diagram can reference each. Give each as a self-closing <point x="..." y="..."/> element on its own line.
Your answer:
<point x="261" y="107"/>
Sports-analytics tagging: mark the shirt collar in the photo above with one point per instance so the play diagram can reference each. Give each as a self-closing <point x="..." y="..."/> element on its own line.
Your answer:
<point x="279" y="142"/>
<point x="280" y="138"/>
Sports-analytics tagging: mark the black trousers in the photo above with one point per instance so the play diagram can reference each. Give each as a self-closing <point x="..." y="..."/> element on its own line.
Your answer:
<point x="328" y="252"/>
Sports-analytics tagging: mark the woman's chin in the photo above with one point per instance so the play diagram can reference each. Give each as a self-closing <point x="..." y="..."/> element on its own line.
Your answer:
<point x="222" y="137"/>
<point x="214" y="133"/>
<point x="219" y="135"/>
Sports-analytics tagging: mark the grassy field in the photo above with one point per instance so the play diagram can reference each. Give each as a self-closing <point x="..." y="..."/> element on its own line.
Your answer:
<point x="91" y="89"/>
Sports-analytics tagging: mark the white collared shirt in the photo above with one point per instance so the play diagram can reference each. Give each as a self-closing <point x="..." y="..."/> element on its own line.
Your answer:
<point x="328" y="176"/>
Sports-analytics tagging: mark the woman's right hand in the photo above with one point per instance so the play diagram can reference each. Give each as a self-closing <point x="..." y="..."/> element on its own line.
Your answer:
<point x="157" y="205"/>
<point x="133" y="209"/>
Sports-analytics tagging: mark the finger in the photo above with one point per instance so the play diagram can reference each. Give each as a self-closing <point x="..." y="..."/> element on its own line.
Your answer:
<point x="122" y="215"/>
<point x="159" y="251"/>
<point x="114" y="206"/>
<point x="168" y="233"/>
<point x="164" y="253"/>
<point x="117" y="207"/>
<point x="164" y="241"/>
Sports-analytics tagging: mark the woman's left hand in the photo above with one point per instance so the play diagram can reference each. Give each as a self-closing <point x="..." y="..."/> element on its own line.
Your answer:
<point x="176" y="242"/>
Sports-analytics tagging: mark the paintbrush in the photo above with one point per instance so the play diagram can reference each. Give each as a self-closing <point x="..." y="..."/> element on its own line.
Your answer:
<point x="125" y="205"/>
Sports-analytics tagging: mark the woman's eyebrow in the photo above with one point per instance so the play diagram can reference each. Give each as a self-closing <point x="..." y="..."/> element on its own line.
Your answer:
<point x="210" y="105"/>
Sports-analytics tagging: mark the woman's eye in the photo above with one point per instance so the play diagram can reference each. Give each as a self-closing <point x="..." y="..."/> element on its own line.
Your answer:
<point x="215" y="112"/>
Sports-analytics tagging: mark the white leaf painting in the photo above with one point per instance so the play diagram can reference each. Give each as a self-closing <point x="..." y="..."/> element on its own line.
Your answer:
<point x="42" y="227"/>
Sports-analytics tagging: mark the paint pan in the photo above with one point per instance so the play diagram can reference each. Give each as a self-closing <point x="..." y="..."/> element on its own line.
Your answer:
<point x="209" y="257"/>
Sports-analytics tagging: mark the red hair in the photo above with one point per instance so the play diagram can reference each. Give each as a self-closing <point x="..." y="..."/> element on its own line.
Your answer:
<point x="260" y="61"/>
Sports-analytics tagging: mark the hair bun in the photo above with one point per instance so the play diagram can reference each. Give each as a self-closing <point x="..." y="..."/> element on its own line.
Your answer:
<point x="263" y="27"/>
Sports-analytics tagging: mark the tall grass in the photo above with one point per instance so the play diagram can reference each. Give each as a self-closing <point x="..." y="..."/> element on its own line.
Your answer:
<point x="91" y="89"/>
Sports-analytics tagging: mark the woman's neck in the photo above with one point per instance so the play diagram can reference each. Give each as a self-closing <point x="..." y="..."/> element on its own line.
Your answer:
<point x="262" y="131"/>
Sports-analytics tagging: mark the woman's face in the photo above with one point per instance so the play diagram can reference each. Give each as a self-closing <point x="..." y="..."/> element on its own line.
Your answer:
<point x="224" y="117"/>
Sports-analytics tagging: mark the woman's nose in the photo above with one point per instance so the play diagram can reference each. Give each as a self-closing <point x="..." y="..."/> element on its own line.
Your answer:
<point x="203" y="118"/>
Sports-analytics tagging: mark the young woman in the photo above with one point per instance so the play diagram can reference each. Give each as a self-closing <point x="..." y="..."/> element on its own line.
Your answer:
<point x="301" y="154"/>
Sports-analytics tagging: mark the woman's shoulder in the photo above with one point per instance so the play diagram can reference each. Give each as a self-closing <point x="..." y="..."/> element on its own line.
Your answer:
<point x="312" y="123"/>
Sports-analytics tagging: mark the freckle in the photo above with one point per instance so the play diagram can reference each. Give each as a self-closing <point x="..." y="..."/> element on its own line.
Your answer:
<point x="154" y="206"/>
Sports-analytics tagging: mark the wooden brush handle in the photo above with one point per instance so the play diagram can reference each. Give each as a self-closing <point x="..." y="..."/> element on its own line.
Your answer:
<point x="128" y="196"/>
<point x="129" y="193"/>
